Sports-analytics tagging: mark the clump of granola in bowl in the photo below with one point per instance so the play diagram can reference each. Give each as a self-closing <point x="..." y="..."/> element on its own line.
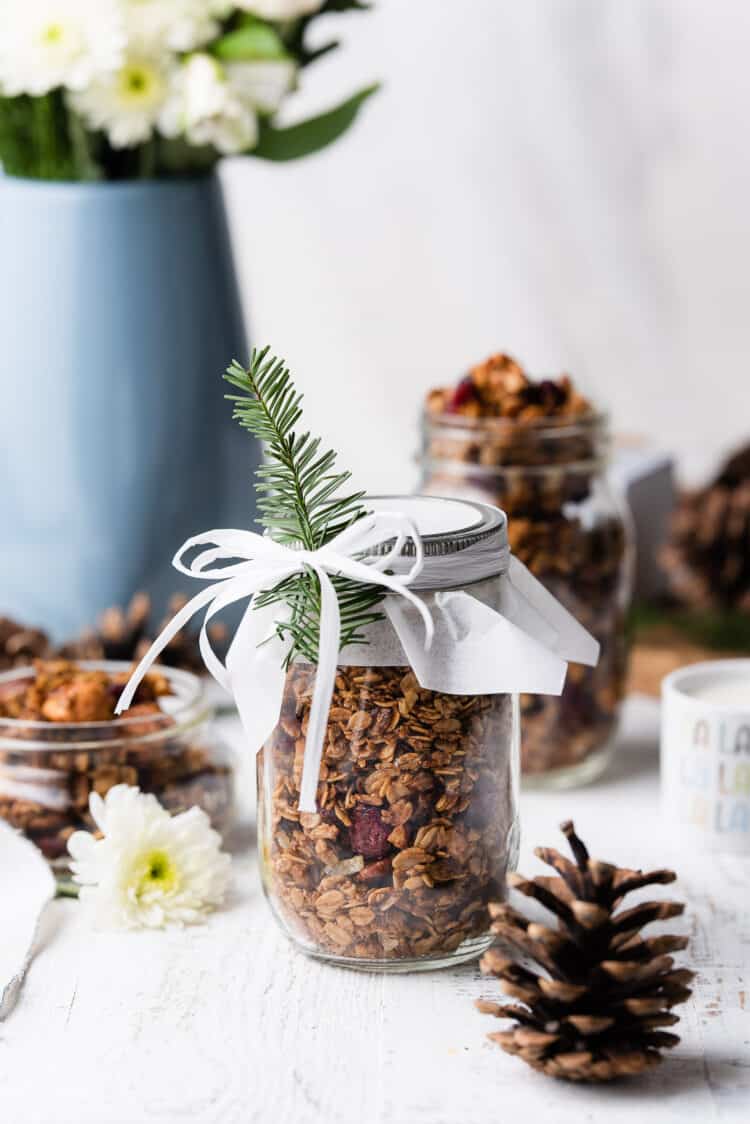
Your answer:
<point x="60" y="741"/>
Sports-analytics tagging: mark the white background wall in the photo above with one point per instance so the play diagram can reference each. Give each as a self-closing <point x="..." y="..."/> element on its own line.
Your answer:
<point x="568" y="180"/>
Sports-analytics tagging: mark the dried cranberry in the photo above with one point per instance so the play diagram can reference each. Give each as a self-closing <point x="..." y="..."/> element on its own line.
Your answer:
<point x="368" y="833"/>
<point x="51" y="846"/>
<point x="463" y="393"/>
<point x="550" y="393"/>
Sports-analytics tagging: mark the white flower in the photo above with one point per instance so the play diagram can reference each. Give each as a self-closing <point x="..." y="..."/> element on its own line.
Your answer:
<point x="126" y="104"/>
<point x="150" y="869"/>
<point x="179" y="25"/>
<point x="49" y="43"/>
<point x="280" y="9"/>
<point x="262" y="84"/>
<point x="204" y="107"/>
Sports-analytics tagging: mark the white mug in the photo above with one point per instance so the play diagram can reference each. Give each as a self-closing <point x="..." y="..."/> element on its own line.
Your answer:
<point x="705" y="754"/>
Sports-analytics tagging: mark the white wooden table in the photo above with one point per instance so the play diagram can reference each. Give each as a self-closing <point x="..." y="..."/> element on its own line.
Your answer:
<point x="226" y="1023"/>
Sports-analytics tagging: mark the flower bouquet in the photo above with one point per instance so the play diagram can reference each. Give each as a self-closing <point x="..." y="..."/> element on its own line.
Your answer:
<point x="120" y="89"/>
<point x="116" y="257"/>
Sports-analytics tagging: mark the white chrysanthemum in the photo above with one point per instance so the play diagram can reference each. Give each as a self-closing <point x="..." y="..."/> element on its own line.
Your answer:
<point x="205" y="108"/>
<point x="150" y="869"/>
<point x="280" y="9"/>
<point x="127" y="104"/>
<point x="262" y="84"/>
<point x="179" y="25"/>
<point x="49" y="43"/>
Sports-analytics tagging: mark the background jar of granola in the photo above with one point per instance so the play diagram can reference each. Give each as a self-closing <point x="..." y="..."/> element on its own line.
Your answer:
<point x="539" y="450"/>
<point x="416" y="823"/>
<point x="166" y="744"/>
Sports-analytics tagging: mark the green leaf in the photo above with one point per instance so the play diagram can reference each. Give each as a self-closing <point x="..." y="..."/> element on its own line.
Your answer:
<point x="312" y="135"/>
<point x="345" y="6"/>
<point x="320" y="52"/>
<point x="254" y="42"/>
<point x="176" y="157"/>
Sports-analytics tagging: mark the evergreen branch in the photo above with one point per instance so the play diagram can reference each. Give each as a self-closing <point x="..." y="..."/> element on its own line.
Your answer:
<point x="300" y="501"/>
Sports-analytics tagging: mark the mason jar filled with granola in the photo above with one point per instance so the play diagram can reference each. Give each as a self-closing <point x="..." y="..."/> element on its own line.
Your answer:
<point x="415" y="821"/>
<point x="538" y="449"/>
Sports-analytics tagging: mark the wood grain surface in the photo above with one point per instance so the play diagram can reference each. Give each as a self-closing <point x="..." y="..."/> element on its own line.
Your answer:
<point x="226" y="1023"/>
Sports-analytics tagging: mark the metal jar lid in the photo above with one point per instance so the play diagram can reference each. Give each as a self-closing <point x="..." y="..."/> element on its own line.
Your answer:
<point x="463" y="541"/>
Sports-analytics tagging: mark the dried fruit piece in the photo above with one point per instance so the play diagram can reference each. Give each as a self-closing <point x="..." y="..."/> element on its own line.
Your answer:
<point x="463" y="394"/>
<point x="368" y="833"/>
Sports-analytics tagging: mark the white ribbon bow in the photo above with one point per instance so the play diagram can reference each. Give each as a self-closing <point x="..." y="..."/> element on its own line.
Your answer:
<point x="264" y="565"/>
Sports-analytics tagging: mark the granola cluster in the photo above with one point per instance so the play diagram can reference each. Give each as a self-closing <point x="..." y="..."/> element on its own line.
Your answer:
<point x="534" y="448"/>
<point x="500" y="388"/>
<point x="45" y="784"/>
<point x="20" y="645"/>
<point x="415" y="825"/>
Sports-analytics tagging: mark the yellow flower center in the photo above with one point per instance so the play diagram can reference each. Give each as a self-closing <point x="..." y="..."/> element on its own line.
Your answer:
<point x="53" y="33"/>
<point x="140" y="84"/>
<point x="157" y="872"/>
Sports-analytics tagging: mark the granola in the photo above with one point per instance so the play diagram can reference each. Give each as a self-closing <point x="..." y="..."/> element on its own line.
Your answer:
<point x="415" y="825"/>
<point x="74" y="746"/>
<point x="535" y="449"/>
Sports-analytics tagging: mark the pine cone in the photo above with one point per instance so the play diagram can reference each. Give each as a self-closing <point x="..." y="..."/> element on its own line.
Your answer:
<point x="707" y="559"/>
<point x="124" y="634"/>
<point x="597" y="1011"/>
<point x="118" y="635"/>
<point x="20" y="645"/>
<point x="182" y="650"/>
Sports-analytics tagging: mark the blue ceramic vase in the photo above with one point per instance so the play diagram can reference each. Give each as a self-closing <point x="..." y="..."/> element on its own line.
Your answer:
<point x="119" y="311"/>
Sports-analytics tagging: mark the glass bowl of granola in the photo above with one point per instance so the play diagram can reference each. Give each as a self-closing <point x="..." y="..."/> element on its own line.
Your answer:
<point x="60" y="741"/>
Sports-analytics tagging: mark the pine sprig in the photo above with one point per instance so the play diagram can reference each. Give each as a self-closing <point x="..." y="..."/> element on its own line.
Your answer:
<point x="299" y="502"/>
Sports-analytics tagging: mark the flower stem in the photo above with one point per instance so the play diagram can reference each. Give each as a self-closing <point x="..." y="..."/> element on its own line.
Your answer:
<point x="66" y="889"/>
<point x="147" y="159"/>
<point x="85" y="167"/>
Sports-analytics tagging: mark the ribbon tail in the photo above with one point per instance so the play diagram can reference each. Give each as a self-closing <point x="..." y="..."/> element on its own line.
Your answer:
<point x="325" y="678"/>
<point x="177" y="623"/>
<point x="233" y="591"/>
<point x="255" y="665"/>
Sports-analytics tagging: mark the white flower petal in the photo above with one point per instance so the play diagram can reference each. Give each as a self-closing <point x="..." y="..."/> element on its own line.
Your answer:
<point x="98" y="808"/>
<point x="280" y="9"/>
<point x="178" y="25"/>
<point x="127" y="103"/>
<point x="150" y="869"/>
<point x="45" y="44"/>
<point x="205" y="108"/>
<point x="262" y="84"/>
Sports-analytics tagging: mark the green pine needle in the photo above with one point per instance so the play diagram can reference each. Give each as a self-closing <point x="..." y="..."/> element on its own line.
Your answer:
<point x="300" y="501"/>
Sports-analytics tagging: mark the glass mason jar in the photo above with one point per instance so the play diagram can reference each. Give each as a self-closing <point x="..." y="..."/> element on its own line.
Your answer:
<point x="48" y="769"/>
<point x="416" y="824"/>
<point x="572" y="532"/>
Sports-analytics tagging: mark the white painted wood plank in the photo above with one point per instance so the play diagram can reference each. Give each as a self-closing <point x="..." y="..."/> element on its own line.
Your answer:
<point x="226" y="1023"/>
